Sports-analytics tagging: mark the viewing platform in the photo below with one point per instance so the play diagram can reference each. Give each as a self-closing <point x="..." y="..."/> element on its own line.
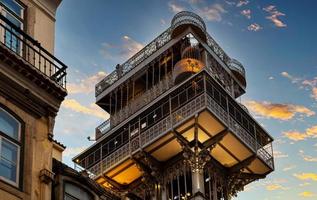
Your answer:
<point x="198" y="101"/>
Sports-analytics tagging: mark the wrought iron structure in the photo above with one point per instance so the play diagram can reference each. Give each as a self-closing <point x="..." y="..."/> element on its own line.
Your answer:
<point x="181" y="18"/>
<point x="175" y="129"/>
<point x="31" y="51"/>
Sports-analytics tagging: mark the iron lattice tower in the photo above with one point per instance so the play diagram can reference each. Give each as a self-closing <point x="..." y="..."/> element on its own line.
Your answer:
<point x="175" y="129"/>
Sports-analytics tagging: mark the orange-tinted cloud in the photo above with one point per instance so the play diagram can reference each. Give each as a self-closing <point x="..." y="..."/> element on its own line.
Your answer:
<point x="310" y="132"/>
<point x="295" y="135"/>
<point x="86" y="85"/>
<point x="92" y="109"/>
<point x="274" y="186"/>
<point x="314" y="93"/>
<point x="306" y="176"/>
<point x="278" y="111"/>
<point x="307" y="194"/>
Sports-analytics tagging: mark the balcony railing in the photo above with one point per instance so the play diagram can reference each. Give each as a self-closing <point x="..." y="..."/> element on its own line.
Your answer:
<point x="155" y="45"/>
<point x="136" y="104"/>
<point x="184" y="103"/>
<point x="31" y="51"/>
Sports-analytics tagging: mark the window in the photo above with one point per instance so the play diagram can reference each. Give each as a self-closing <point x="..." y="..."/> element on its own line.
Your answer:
<point x="73" y="192"/>
<point x="13" y="11"/>
<point x="10" y="130"/>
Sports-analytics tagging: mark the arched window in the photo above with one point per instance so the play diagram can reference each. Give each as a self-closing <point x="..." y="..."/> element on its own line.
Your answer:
<point x="10" y="145"/>
<point x="74" y="192"/>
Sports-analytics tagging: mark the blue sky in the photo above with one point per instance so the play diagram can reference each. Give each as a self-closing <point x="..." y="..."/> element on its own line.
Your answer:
<point x="275" y="40"/>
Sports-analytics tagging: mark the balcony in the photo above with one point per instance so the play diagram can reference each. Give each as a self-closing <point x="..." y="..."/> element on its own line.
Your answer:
<point x="180" y="19"/>
<point x="200" y="96"/>
<point x="39" y="65"/>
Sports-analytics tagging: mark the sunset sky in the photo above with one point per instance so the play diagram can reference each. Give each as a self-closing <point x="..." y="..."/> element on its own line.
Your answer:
<point x="275" y="41"/>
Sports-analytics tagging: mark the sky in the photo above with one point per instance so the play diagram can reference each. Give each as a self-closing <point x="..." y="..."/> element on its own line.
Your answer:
<point x="275" y="41"/>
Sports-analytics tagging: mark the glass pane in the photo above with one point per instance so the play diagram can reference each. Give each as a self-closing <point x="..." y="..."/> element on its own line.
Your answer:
<point x="13" y="6"/>
<point x="76" y="192"/>
<point x="11" y="36"/>
<point x="9" y="125"/>
<point x="9" y="151"/>
<point x="7" y="170"/>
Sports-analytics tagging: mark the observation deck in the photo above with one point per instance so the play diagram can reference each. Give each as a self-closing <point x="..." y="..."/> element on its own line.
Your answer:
<point x="180" y="20"/>
<point x="171" y="118"/>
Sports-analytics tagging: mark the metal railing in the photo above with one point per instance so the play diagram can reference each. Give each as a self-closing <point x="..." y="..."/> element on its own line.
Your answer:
<point x="157" y="43"/>
<point x="31" y="51"/>
<point x="144" y="53"/>
<point x="186" y="17"/>
<point x="212" y="97"/>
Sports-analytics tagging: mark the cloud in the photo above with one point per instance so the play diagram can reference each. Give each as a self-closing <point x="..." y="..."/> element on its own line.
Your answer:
<point x="290" y="77"/>
<point x="246" y="13"/>
<point x="126" y="49"/>
<point x="254" y="27"/>
<point x="314" y="93"/>
<point x="304" y="83"/>
<point x="92" y="109"/>
<point x="307" y="158"/>
<point x="163" y="22"/>
<point x="294" y="135"/>
<point x="212" y="13"/>
<point x="274" y="14"/>
<point x="175" y="8"/>
<point x="72" y="151"/>
<point x="304" y="184"/>
<point x="86" y="85"/>
<point x="273" y="187"/>
<point x="230" y="3"/>
<point x="277" y="110"/>
<point x="242" y="3"/>
<point x="312" y="84"/>
<point x="306" y="176"/>
<point x="279" y="154"/>
<point x="307" y="194"/>
<point x="288" y="168"/>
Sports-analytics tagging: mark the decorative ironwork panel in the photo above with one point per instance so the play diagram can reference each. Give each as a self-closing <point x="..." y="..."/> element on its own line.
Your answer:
<point x="240" y="132"/>
<point x="142" y="100"/>
<point x="188" y="109"/>
<point x="186" y="17"/>
<point x="135" y="144"/>
<point x="144" y="53"/>
<point x="115" y="157"/>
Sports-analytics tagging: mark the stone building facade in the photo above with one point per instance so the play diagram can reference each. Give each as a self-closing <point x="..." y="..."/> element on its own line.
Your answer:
<point x="32" y="87"/>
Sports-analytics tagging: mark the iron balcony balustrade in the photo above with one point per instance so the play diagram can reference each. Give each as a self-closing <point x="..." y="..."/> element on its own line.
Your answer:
<point x="210" y="96"/>
<point x="136" y="105"/>
<point x="148" y="96"/>
<point x="31" y="51"/>
<point x="181" y="18"/>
